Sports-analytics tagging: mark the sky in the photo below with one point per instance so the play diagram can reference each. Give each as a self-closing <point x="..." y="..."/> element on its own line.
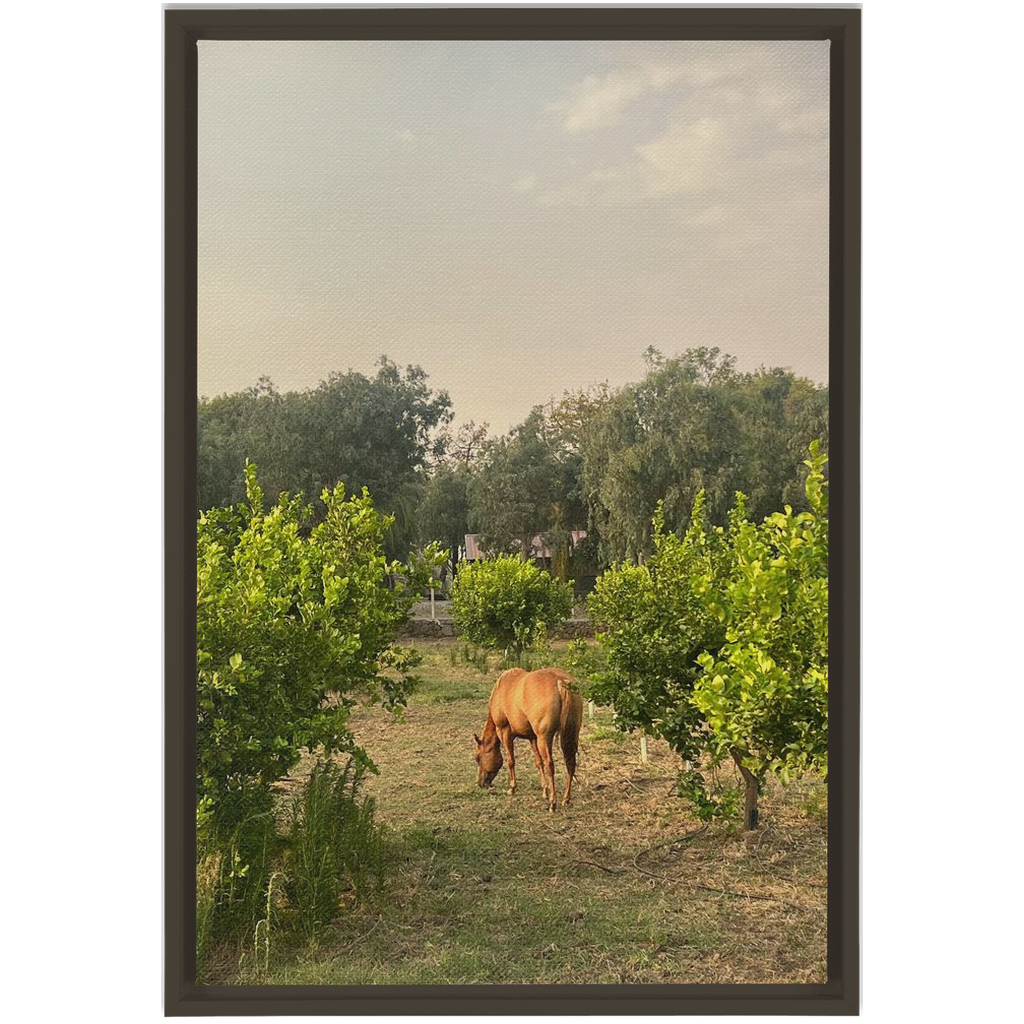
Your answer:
<point x="518" y="218"/>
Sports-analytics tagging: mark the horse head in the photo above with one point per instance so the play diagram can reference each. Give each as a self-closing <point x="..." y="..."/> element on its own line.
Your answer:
<point x="488" y="759"/>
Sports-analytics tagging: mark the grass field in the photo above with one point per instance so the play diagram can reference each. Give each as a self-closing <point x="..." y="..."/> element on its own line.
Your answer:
<point x="491" y="889"/>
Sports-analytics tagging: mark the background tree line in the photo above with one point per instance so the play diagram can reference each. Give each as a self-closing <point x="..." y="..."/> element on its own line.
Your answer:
<point x="375" y="432"/>
<point x="596" y="459"/>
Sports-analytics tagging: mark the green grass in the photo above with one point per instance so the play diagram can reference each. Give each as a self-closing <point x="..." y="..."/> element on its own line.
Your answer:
<point x="451" y="671"/>
<point x="607" y="733"/>
<point x="464" y="905"/>
<point x="483" y="888"/>
<point x="814" y="804"/>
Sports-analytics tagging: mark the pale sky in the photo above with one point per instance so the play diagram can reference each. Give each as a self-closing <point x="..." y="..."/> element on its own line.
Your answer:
<point x="518" y="218"/>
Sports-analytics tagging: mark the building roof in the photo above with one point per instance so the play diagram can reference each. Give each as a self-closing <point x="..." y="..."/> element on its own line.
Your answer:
<point x="538" y="549"/>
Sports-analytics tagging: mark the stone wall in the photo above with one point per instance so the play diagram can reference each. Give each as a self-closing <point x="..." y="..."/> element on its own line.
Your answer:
<point x="572" y="629"/>
<point x="427" y="629"/>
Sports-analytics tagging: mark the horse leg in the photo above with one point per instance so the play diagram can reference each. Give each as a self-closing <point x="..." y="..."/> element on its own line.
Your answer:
<point x="569" y="753"/>
<point x="508" y="742"/>
<point x="540" y="766"/>
<point x="549" y="769"/>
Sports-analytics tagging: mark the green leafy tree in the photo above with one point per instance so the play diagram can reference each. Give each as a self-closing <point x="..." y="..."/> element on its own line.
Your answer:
<point x="660" y="441"/>
<point x="694" y="423"/>
<point x="294" y="625"/>
<point x="374" y="431"/>
<point x="508" y="604"/>
<point x="443" y="514"/>
<point x="527" y="484"/>
<point x="653" y="623"/>
<point x="222" y="422"/>
<point x="764" y="693"/>
<point x="718" y="643"/>
<point x="459" y="448"/>
<point x="566" y="425"/>
<point x="258" y="425"/>
<point x="515" y="489"/>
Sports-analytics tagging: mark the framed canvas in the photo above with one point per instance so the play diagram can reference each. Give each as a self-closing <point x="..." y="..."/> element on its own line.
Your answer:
<point x="438" y="235"/>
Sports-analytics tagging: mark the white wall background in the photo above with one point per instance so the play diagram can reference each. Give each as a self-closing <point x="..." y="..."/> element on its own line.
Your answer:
<point x="81" y="520"/>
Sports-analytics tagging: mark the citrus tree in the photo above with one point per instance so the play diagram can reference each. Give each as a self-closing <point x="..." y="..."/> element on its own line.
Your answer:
<point x="764" y="692"/>
<point x="653" y="623"/>
<point x="718" y="643"/>
<point x="294" y="625"/>
<point x="507" y="604"/>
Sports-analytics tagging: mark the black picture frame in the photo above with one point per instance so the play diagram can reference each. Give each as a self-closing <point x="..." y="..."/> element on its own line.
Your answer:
<point x="183" y="26"/>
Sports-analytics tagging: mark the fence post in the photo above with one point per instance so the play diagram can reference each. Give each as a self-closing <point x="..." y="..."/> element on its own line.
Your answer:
<point x="643" y="747"/>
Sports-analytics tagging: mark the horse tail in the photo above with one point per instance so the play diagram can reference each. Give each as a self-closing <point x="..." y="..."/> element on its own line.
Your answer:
<point x="571" y="717"/>
<point x="569" y="721"/>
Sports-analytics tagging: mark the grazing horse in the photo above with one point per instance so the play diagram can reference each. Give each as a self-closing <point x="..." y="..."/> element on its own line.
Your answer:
<point x="533" y="706"/>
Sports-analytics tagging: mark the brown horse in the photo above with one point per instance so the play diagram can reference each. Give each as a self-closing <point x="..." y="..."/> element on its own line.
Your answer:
<point x="532" y="706"/>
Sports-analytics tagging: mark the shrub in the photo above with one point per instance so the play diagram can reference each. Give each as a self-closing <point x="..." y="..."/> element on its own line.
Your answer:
<point x="295" y="623"/>
<point x="507" y="604"/>
<point x="286" y="618"/>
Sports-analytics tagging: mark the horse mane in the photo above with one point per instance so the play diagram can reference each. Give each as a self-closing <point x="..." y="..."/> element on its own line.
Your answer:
<point x="490" y="730"/>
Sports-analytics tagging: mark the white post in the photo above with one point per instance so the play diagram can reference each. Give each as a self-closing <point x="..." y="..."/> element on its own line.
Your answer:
<point x="590" y="709"/>
<point x="432" y="602"/>
<point x="643" y="748"/>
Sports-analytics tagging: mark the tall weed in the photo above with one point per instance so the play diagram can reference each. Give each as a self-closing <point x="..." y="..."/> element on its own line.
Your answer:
<point x="207" y="878"/>
<point x="539" y="655"/>
<point x="232" y="870"/>
<point x="468" y="654"/>
<point x="335" y="849"/>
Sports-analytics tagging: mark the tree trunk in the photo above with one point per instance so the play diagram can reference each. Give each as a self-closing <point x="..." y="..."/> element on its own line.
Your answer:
<point x="560" y="563"/>
<point x="750" y="797"/>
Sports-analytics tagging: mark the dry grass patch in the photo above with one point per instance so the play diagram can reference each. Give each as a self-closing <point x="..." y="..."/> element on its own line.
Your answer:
<point x="615" y="888"/>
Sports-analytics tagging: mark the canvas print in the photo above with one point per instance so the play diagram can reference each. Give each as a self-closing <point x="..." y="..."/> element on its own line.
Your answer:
<point x="512" y="512"/>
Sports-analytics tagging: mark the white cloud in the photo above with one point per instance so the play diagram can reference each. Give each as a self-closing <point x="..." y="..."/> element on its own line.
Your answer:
<point x="731" y="145"/>
<point x="599" y="101"/>
<point x="689" y="157"/>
